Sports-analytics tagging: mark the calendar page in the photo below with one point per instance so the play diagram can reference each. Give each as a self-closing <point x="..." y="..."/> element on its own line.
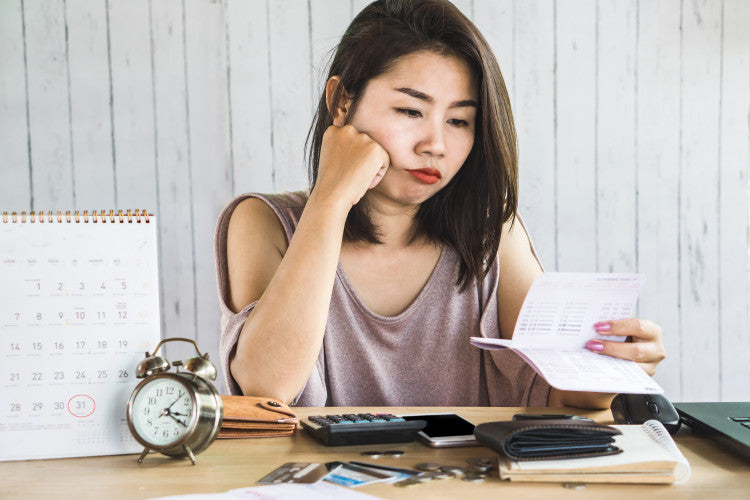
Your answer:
<point x="79" y="307"/>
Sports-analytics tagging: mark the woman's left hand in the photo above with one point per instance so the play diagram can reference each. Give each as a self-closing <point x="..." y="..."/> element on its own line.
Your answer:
<point x="643" y="345"/>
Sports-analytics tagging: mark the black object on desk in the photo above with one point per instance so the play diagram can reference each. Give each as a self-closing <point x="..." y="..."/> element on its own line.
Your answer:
<point x="637" y="408"/>
<point x="362" y="428"/>
<point x="545" y="439"/>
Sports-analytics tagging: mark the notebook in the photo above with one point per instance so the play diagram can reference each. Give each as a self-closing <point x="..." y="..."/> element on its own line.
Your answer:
<point x="557" y="320"/>
<point x="728" y="421"/>
<point x="649" y="455"/>
<point x="79" y="306"/>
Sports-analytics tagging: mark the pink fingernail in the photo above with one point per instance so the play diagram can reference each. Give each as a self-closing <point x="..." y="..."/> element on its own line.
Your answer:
<point x="602" y="326"/>
<point x="593" y="345"/>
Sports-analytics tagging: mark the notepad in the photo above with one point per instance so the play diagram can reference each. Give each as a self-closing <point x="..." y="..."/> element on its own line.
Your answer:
<point x="79" y="306"/>
<point x="557" y="320"/>
<point x="649" y="456"/>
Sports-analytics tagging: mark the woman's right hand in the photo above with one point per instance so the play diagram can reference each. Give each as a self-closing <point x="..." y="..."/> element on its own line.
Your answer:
<point x="350" y="164"/>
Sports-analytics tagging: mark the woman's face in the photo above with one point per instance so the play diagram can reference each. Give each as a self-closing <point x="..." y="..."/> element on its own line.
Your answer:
<point x="422" y="112"/>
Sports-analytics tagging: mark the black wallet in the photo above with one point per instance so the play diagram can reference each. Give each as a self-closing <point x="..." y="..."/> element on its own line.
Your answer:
<point x="548" y="439"/>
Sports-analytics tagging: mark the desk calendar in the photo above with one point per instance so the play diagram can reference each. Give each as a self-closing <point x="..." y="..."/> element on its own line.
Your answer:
<point x="79" y="306"/>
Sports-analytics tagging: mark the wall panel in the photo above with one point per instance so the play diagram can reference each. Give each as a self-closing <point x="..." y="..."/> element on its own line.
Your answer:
<point x="15" y="179"/>
<point x="631" y="117"/>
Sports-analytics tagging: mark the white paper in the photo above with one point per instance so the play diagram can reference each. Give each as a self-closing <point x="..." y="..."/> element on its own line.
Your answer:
<point x="316" y="491"/>
<point x="557" y="320"/>
<point x="79" y="307"/>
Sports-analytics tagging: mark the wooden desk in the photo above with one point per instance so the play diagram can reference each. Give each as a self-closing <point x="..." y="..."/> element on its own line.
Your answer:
<point x="239" y="463"/>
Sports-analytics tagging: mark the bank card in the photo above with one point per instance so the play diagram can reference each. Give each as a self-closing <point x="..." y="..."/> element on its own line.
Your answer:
<point x="296" y="472"/>
<point x="350" y="475"/>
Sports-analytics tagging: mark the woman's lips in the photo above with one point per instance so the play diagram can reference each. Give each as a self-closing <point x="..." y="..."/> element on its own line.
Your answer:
<point x="426" y="175"/>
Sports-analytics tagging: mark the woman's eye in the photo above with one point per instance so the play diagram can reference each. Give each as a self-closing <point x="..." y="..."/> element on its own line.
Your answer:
<point x="411" y="113"/>
<point x="458" y="123"/>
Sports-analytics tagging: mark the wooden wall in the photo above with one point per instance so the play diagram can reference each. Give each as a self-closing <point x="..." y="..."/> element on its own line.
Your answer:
<point x="632" y="119"/>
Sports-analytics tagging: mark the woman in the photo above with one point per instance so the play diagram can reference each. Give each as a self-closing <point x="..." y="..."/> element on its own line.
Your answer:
<point x="366" y="291"/>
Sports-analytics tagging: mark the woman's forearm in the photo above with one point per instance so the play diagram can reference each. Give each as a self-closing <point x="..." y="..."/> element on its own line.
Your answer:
<point x="280" y="340"/>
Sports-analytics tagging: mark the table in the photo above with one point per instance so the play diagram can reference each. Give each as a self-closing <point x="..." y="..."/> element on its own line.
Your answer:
<point x="230" y="464"/>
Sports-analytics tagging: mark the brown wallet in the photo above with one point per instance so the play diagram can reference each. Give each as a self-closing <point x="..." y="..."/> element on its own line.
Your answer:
<point x="250" y="416"/>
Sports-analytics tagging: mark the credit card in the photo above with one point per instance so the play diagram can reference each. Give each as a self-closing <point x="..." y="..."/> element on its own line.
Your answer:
<point x="296" y="472"/>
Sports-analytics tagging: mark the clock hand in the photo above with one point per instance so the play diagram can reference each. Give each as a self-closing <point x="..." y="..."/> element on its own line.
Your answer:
<point x="177" y="420"/>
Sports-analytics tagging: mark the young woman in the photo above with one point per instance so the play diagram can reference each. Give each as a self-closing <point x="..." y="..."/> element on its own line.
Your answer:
<point x="365" y="291"/>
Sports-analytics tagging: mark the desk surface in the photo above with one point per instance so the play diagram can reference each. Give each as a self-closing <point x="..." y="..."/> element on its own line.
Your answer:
<point x="230" y="464"/>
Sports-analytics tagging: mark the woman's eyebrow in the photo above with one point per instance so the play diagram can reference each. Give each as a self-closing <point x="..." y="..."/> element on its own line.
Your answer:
<point x="424" y="97"/>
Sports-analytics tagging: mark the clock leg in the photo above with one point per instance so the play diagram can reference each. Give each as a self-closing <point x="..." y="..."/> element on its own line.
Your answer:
<point x="189" y="453"/>
<point x="143" y="455"/>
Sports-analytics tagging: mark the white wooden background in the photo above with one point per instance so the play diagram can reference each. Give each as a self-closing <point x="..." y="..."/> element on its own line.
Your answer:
<point x="632" y="119"/>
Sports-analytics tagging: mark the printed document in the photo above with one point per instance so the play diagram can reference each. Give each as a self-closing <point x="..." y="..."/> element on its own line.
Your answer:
<point x="557" y="320"/>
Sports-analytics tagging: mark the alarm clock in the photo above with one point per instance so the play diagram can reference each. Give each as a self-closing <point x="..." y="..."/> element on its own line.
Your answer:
<point x="177" y="413"/>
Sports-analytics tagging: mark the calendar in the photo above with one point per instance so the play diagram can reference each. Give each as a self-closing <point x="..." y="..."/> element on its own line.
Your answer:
<point x="79" y="307"/>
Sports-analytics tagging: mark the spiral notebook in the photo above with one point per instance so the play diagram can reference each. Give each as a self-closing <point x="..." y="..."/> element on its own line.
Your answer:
<point x="79" y="305"/>
<point x="649" y="455"/>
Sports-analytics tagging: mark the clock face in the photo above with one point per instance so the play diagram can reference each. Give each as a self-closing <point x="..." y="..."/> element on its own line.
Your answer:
<point x="162" y="411"/>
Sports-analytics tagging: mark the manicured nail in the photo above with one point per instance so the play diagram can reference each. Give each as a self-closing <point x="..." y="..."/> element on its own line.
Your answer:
<point x="593" y="345"/>
<point x="602" y="326"/>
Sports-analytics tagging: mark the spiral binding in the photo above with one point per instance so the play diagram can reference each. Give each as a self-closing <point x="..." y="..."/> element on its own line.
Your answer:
<point x="76" y="216"/>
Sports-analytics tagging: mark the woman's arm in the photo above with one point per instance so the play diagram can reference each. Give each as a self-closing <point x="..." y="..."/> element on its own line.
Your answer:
<point x="518" y="268"/>
<point x="281" y="338"/>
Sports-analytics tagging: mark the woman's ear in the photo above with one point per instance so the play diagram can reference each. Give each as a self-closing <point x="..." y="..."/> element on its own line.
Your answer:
<point x="338" y="109"/>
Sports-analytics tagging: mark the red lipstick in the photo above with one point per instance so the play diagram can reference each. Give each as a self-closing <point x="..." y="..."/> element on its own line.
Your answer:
<point x="426" y="175"/>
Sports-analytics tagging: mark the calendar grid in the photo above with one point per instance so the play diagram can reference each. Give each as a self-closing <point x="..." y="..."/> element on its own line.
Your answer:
<point x="79" y="306"/>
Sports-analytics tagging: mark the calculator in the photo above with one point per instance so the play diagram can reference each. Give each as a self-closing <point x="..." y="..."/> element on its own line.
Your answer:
<point x="362" y="428"/>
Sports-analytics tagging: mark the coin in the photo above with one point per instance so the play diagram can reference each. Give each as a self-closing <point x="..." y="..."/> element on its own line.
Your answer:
<point x="372" y="453"/>
<point x="439" y="474"/>
<point x="474" y="478"/>
<point x="407" y="482"/>
<point x="479" y="461"/>
<point x="428" y="466"/>
<point x="478" y="469"/>
<point x="394" y="453"/>
<point x="575" y="486"/>
<point x="453" y="469"/>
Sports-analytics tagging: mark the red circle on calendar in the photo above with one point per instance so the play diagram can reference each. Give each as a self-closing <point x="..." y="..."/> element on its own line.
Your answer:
<point x="81" y="405"/>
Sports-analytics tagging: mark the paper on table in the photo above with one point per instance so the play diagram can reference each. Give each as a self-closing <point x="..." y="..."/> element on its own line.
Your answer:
<point x="315" y="491"/>
<point x="557" y="319"/>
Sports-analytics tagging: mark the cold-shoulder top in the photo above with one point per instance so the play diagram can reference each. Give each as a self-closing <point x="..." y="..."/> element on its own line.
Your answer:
<point x="420" y="357"/>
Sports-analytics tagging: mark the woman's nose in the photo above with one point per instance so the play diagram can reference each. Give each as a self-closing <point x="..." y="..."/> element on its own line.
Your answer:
<point x="432" y="140"/>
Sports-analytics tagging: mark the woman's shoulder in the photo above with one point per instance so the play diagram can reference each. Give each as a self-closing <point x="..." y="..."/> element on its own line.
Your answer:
<point x="273" y="217"/>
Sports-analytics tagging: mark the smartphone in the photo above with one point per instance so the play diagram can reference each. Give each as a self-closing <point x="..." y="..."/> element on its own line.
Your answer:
<point x="444" y="430"/>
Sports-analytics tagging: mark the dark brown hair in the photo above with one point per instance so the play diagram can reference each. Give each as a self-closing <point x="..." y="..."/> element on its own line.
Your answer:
<point x="468" y="213"/>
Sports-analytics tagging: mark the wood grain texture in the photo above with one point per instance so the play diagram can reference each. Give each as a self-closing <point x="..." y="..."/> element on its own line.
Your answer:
<point x="250" y="94"/>
<point x="631" y="115"/>
<point x="575" y="135"/>
<point x="732" y="191"/>
<point x="90" y="98"/>
<point x="132" y="104"/>
<point x="699" y="181"/>
<point x="49" y="114"/>
<point x="211" y="183"/>
<point x="177" y="257"/>
<point x="534" y="115"/>
<point x="15" y="178"/>
<point x="657" y="161"/>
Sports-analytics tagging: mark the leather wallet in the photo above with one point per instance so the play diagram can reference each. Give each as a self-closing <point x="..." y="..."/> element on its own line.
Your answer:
<point x="548" y="439"/>
<point x="250" y="416"/>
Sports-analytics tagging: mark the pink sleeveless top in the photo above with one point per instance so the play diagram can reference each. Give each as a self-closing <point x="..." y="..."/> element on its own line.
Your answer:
<point x="420" y="357"/>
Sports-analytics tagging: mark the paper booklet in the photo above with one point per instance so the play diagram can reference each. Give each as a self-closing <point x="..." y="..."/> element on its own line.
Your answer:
<point x="557" y="319"/>
<point x="649" y="456"/>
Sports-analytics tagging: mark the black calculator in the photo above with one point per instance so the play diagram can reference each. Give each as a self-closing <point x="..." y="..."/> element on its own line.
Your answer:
<point x="362" y="428"/>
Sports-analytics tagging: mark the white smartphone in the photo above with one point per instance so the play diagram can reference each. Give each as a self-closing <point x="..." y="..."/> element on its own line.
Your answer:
<point x="444" y="430"/>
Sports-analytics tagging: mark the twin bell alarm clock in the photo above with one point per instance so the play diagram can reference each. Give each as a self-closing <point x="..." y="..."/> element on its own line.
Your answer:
<point x="176" y="413"/>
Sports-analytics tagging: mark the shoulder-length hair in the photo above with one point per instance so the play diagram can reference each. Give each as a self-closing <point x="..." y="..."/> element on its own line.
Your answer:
<point x="469" y="212"/>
